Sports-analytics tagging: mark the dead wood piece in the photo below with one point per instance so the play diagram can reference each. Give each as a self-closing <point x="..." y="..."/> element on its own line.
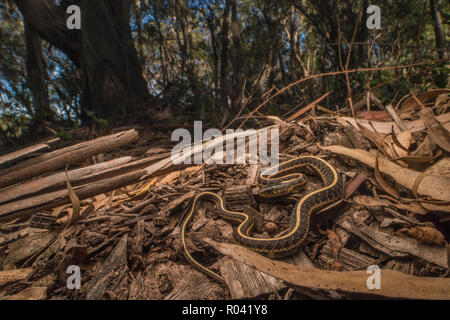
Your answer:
<point x="399" y="122"/>
<point x="145" y="286"/>
<point x="355" y="182"/>
<point x="8" y="276"/>
<point x="24" y="208"/>
<point x="354" y="138"/>
<point x="350" y="227"/>
<point x="140" y="206"/>
<point x="15" y="236"/>
<point x="434" y="186"/>
<point x="191" y="284"/>
<point x="350" y="260"/>
<point x="308" y="107"/>
<point x="238" y="196"/>
<point x="259" y="220"/>
<point x="407" y="267"/>
<point x="365" y="101"/>
<point x="43" y="221"/>
<point x="300" y="259"/>
<point x="175" y="203"/>
<point x="19" y="154"/>
<point x="194" y="149"/>
<point x="138" y="244"/>
<point x="377" y="101"/>
<point x="386" y="127"/>
<point x="111" y="274"/>
<point x="57" y="180"/>
<point x="31" y="293"/>
<point x="252" y="175"/>
<point x="245" y="282"/>
<point x="395" y="246"/>
<point x="59" y="158"/>
<point x="118" y="170"/>
<point x="28" y="247"/>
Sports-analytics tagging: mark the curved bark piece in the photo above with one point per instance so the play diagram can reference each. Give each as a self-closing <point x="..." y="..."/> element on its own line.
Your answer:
<point x="434" y="186"/>
<point x="394" y="284"/>
<point x="60" y="158"/>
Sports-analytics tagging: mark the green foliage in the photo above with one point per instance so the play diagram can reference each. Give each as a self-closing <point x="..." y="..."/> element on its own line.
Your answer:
<point x="100" y="122"/>
<point x="189" y="61"/>
<point x="64" y="135"/>
<point x="440" y="76"/>
<point x="12" y="127"/>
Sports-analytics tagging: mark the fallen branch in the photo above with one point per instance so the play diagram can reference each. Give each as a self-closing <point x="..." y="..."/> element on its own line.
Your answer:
<point x="24" y="208"/>
<point x="60" y="158"/>
<point x="17" y="155"/>
<point x="56" y="179"/>
<point x="78" y="177"/>
<point x="334" y="73"/>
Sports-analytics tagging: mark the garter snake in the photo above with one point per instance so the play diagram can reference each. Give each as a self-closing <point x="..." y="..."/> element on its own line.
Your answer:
<point x="280" y="180"/>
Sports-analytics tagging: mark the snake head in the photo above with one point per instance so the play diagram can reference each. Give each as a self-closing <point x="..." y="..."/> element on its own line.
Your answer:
<point x="279" y="190"/>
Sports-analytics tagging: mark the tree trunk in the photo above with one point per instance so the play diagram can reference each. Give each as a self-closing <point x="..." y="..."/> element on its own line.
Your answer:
<point x="438" y="27"/>
<point x="36" y="75"/>
<point x="103" y="48"/>
<point x="113" y="74"/>
<point x="236" y="37"/>
<point x="224" y="89"/>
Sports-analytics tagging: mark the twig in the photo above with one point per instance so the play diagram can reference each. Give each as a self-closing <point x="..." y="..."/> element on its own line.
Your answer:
<point x="400" y="124"/>
<point x="440" y="61"/>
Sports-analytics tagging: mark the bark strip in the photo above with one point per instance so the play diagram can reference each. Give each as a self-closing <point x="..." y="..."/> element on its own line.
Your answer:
<point x="59" y="158"/>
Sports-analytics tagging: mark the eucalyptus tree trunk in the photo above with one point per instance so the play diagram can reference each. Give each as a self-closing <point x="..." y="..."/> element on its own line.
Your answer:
<point x="236" y="86"/>
<point x="37" y="76"/>
<point x="438" y="27"/>
<point x="103" y="49"/>
<point x="224" y="87"/>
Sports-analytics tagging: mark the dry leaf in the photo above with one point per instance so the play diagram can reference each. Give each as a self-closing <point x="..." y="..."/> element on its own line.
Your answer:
<point x="441" y="168"/>
<point x="374" y="115"/>
<point x="427" y="235"/>
<point x="395" y="284"/>
<point x="417" y="161"/>
<point x="308" y="107"/>
<point x="401" y="143"/>
<point x="373" y="136"/>
<point x="371" y="201"/>
<point x="438" y="133"/>
<point x="424" y="97"/>
<point x="336" y="246"/>
<point x="74" y="200"/>
<point x="354" y="183"/>
<point x="7" y="276"/>
<point x="435" y="186"/>
<point x="442" y="103"/>
<point x="382" y="182"/>
<point x="386" y="127"/>
<point x="174" y="175"/>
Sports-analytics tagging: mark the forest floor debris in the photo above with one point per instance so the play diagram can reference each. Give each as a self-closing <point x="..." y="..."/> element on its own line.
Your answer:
<point x="132" y="200"/>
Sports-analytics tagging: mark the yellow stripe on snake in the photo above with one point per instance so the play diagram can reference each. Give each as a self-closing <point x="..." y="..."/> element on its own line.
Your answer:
<point x="277" y="181"/>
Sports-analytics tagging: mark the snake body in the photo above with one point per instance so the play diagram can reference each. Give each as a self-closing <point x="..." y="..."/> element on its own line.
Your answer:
<point x="277" y="181"/>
